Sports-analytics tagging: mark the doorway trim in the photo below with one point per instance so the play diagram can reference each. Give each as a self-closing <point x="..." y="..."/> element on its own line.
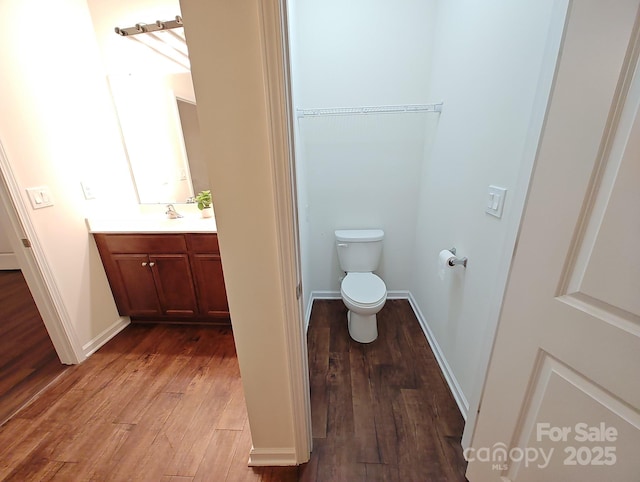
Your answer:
<point x="273" y="23"/>
<point x="34" y="266"/>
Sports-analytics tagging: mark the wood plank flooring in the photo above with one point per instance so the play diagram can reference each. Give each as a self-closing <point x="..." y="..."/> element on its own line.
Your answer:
<point x="28" y="361"/>
<point x="157" y="403"/>
<point x="380" y="411"/>
<point x="165" y="403"/>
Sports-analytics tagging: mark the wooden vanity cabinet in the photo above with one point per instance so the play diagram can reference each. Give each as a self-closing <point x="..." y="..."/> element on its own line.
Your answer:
<point x="207" y="270"/>
<point x="165" y="277"/>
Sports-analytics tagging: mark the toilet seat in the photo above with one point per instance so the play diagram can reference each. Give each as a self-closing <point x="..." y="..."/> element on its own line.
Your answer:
<point x="363" y="289"/>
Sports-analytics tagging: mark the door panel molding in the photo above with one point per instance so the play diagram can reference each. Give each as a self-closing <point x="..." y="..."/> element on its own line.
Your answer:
<point x="544" y="439"/>
<point x="613" y="147"/>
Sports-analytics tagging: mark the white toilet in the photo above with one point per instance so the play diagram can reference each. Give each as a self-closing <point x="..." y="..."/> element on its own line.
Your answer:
<point x="363" y="292"/>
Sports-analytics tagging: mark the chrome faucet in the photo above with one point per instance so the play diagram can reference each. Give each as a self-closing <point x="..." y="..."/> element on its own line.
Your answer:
<point x="172" y="213"/>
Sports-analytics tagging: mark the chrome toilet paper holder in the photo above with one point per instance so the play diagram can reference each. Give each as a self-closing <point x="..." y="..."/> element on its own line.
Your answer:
<point x="454" y="261"/>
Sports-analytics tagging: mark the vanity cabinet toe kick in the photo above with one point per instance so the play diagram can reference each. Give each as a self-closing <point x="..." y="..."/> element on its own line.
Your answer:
<point x="165" y="277"/>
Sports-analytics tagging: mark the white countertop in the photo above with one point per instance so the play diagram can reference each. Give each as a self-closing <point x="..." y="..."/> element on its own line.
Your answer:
<point x="152" y="223"/>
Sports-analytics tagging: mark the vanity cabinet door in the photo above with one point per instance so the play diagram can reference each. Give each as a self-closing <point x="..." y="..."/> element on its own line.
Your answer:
<point x="136" y="287"/>
<point x="212" y="295"/>
<point x="174" y="284"/>
<point x="165" y="277"/>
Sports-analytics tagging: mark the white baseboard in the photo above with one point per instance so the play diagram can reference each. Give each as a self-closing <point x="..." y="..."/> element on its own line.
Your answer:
<point x="318" y="295"/>
<point x="94" y="345"/>
<point x="272" y="456"/>
<point x="8" y="261"/>
<point x="326" y="295"/>
<point x="454" y="386"/>
<point x="398" y="295"/>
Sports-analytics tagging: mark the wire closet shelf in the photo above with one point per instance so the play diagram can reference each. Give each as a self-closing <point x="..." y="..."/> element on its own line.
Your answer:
<point x="363" y="110"/>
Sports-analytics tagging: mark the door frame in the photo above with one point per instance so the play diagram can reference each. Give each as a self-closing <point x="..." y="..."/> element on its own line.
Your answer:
<point x="276" y="71"/>
<point x="33" y="263"/>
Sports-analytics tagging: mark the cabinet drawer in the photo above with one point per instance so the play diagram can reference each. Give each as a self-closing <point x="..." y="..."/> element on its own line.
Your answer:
<point x="143" y="243"/>
<point x="203" y="243"/>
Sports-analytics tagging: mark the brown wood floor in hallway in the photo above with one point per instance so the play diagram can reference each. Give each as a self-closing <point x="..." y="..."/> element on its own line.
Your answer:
<point x="28" y="361"/>
<point x="165" y="403"/>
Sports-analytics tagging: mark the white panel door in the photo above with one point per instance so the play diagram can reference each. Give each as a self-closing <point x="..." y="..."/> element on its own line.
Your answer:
<point x="562" y="396"/>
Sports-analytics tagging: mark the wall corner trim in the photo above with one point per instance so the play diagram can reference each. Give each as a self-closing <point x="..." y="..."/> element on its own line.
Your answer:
<point x="447" y="372"/>
<point x="275" y="456"/>
<point x="274" y="43"/>
<point x="98" y="341"/>
<point x="318" y="295"/>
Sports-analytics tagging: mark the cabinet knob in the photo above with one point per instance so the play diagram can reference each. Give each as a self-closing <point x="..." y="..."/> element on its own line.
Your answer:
<point x="144" y="263"/>
<point x="152" y="263"/>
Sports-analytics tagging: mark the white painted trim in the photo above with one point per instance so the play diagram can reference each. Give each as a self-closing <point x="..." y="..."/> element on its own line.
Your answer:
<point x="445" y="368"/>
<point x="95" y="343"/>
<point x="454" y="386"/>
<point x="307" y="312"/>
<point x="272" y="457"/>
<point x="8" y="261"/>
<point x="35" y="268"/>
<point x="278" y="93"/>
<point x="318" y="295"/>
<point x="398" y="295"/>
<point x="326" y="295"/>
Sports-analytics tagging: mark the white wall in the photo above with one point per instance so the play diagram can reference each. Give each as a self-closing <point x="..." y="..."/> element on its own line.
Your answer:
<point x="363" y="172"/>
<point x="58" y="128"/>
<point x="359" y="171"/>
<point x="363" y="52"/>
<point x="486" y="67"/>
<point x="227" y="68"/>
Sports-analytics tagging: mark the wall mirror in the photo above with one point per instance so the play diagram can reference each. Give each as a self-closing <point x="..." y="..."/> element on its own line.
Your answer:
<point x="159" y="124"/>
<point x="146" y="59"/>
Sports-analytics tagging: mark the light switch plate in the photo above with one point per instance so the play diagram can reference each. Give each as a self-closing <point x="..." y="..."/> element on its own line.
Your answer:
<point x="40" y="197"/>
<point x="495" y="201"/>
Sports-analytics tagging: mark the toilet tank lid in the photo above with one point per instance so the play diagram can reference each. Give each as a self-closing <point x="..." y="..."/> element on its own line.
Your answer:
<point x="359" y="235"/>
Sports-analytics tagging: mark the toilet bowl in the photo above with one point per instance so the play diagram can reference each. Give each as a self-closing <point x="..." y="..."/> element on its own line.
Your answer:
<point x="364" y="295"/>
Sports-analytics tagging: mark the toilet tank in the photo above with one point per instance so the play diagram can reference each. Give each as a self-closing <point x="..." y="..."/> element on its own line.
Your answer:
<point x="359" y="250"/>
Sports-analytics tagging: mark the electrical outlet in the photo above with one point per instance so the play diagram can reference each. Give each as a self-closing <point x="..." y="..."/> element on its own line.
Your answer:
<point x="87" y="190"/>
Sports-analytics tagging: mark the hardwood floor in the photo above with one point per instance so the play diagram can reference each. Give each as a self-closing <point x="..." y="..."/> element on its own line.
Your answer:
<point x="165" y="403"/>
<point x="380" y="411"/>
<point x="28" y="361"/>
<point x="158" y="403"/>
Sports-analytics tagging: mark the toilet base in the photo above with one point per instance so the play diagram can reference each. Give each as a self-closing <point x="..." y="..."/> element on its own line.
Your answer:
<point x="362" y="328"/>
